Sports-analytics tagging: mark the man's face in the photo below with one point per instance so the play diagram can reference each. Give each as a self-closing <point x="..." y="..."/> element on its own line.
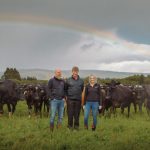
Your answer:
<point x="75" y="74"/>
<point x="58" y="73"/>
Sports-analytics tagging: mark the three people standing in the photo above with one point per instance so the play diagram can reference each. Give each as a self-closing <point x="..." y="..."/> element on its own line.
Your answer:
<point x="71" y="90"/>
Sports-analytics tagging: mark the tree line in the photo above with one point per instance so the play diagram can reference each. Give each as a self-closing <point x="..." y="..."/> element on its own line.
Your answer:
<point x="13" y="73"/>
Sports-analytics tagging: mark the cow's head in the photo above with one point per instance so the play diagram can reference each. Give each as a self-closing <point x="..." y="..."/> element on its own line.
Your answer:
<point x="110" y="87"/>
<point x="20" y="92"/>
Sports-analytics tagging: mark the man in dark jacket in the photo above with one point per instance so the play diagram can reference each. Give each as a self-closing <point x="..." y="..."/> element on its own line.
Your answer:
<point x="74" y="87"/>
<point x="57" y="92"/>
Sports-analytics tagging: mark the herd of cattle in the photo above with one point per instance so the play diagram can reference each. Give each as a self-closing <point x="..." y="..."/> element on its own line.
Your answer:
<point x="35" y="96"/>
<point x="114" y="95"/>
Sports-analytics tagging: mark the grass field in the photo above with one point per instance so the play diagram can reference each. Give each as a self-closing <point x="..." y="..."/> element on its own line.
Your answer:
<point x="119" y="133"/>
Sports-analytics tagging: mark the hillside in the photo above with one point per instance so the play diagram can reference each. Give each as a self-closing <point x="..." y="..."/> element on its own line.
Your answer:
<point x="44" y="74"/>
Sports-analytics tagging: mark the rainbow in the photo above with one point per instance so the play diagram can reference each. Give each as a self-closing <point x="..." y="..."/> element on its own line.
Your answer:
<point x="43" y="20"/>
<point x="79" y="27"/>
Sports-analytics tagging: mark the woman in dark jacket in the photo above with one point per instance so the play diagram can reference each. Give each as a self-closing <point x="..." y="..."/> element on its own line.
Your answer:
<point x="91" y="101"/>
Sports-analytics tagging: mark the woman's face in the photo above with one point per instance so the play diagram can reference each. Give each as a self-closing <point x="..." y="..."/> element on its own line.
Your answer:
<point x="92" y="79"/>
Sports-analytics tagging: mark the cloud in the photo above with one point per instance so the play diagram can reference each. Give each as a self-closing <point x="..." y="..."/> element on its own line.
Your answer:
<point x="113" y="55"/>
<point x="127" y="66"/>
<point x="24" y="45"/>
<point x="104" y="50"/>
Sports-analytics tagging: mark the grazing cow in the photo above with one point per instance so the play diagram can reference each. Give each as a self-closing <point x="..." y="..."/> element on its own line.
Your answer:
<point x="9" y="94"/>
<point x="139" y="96"/>
<point x="119" y="96"/>
<point x="147" y="95"/>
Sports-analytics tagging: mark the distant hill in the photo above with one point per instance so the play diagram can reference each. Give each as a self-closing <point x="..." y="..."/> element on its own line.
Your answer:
<point x="44" y="74"/>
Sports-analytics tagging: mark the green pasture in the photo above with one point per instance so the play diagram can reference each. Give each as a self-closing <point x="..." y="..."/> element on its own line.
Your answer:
<point x="113" y="133"/>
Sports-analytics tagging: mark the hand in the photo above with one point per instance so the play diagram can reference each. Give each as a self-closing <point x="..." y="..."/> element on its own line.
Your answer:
<point x="100" y="107"/>
<point x="83" y="107"/>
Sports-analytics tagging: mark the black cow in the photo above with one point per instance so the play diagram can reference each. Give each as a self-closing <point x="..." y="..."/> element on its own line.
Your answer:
<point x="139" y="96"/>
<point x="32" y="98"/>
<point x="21" y="89"/>
<point x="36" y="95"/>
<point x="44" y="95"/>
<point x="106" y="101"/>
<point x="9" y="94"/>
<point x="119" y="96"/>
<point x="147" y="92"/>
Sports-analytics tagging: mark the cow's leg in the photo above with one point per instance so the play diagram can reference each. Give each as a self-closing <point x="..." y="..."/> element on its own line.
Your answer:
<point x="9" y="110"/>
<point x="128" y="110"/>
<point x="111" y="110"/>
<point x="1" y="109"/>
<point x="114" y="112"/>
<point x="29" y="110"/>
<point x="40" y="108"/>
<point x="40" y="104"/>
<point x="148" y="107"/>
<point x="123" y="105"/>
<point x="35" y="110"/>
<point x="13" y="108"/>
<point x="135" y="107"/>
<point x="44" y="105"/>
<point x="122" y="108"/>
<point x="103" y="110"/>
<point x="140" y="107"/>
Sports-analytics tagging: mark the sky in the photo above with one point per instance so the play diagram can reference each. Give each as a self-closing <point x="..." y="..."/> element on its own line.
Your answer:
<point x="109" y="35"/>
